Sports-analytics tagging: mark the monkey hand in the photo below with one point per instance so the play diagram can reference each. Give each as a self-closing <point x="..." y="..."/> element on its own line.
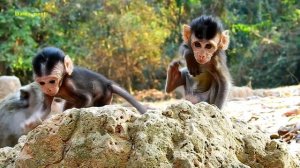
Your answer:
<point x="30" y="124"/>
<point x="174" y="78"/>
<point x="173" y="71"/>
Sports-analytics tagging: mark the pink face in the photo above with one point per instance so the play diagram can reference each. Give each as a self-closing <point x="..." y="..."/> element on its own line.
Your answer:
<point x="204" y="49"/>
<point x="49" y="84"/>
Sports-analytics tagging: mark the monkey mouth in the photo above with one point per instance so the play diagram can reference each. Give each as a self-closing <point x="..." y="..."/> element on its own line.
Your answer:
<point x="203" y="61"/>
<point x="51" y="93"/>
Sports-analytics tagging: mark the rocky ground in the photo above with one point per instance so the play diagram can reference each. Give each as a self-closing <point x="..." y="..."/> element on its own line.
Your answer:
<point x="181" y="135"/>
<point x="266" y="109"/>
<point x="174" y="134"/>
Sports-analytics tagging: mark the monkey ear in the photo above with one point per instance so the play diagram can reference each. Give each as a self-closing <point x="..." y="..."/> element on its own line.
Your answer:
<point x="186" y="33"/>
<point x="68" y="65"/>
<point x="224" y="40"/>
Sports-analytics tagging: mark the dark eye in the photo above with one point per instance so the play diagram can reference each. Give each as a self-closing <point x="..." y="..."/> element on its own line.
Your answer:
<point x="208" y="46"/>
<point x="42" y="83"/>
<point x="52" y="81"/>
<point x="197" y="44"/>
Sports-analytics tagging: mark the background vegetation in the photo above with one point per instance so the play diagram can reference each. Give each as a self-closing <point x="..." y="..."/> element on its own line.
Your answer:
<point x="132" y="41"/>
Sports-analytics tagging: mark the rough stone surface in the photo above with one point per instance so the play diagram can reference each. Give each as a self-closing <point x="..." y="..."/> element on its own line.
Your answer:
<point x="8" y="154"/>
<point x="8" y="84"/>
<point x="182" y="135"/>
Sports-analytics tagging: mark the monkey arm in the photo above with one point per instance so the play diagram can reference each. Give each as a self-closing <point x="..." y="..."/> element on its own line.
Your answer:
<point x="85" y="100"/>
<point x="223" y="90"/>
<point x="222" y="76"/>
<point x="46" y="106"/>
<point x="220" y="73"/>
<point x="76" y="97"/>
<point x="36" y="118"/>
<point x="188" y="55"/>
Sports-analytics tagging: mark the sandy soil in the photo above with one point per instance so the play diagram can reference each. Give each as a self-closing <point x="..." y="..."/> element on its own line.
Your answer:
<point x="267" y="114"/>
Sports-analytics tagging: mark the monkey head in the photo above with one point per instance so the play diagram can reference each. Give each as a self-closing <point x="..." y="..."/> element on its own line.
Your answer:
<point x="50" y="67"/>
<point x="205" y="36"/>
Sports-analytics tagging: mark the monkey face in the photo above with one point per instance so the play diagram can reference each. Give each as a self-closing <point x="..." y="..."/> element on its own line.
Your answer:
<point x="49" y="84"/>
<point x="204" y="49"/>
<point x="209" y="39"/>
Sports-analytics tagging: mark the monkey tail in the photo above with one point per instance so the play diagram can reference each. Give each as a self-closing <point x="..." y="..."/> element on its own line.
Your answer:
<point x="123" y="93"/>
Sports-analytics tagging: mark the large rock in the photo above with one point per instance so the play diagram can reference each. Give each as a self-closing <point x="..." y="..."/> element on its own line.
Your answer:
<point x="182" y="135"/>
<point x="9" y="154"/>
<point x="8" y="84"/>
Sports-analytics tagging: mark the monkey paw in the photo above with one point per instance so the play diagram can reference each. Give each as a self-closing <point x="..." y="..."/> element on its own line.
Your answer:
<point x="173" y="77"/>
<point x="29" y="125"/>
<point x="173" y="71"/>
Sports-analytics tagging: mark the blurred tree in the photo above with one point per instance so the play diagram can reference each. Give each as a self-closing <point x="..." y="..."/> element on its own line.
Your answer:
<point x="265" y="45"/>
<point x="127" y="41"/>
<point x="17" y="42"/>
<point x="132" y="42"/>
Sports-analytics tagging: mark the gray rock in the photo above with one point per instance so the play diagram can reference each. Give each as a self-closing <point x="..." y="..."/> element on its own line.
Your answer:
<point x="8" y="84"/>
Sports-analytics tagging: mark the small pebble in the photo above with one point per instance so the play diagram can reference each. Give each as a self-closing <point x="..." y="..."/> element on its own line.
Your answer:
<point x="274" y="136"/>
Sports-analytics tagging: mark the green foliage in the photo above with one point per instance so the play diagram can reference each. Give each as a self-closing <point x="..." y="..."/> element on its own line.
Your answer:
<point x="264" y="49"/>
<point x="17" y="40"/>
<point x="132" y="42"/>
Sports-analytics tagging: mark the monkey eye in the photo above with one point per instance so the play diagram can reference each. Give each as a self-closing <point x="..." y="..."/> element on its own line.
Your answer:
<point x="52" y="81"/>
<point x="42" y="83"/>
<point x="197" y="44"/>
<point x="208" y="46"/>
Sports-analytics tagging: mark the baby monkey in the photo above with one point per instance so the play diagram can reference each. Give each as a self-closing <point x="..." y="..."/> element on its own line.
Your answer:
<point x="206" y="77"/>
<point x="58" y="77"/>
